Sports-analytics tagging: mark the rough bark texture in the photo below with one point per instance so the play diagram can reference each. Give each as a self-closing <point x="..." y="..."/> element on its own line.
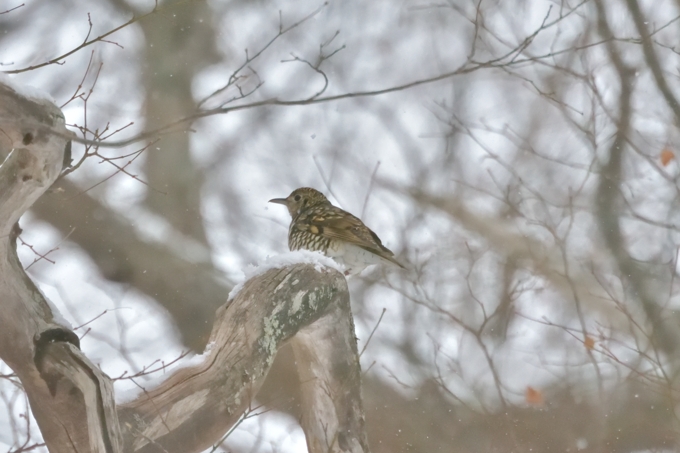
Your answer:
<point x="192" y="409"/>
<point x="328" y="365"/>
<point x="71" y="399"/>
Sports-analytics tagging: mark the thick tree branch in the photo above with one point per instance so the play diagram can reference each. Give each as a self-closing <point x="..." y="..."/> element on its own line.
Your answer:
<point x="328" y="365"/>
<point x="70" y="397"/>
<point x="194" y="407"/>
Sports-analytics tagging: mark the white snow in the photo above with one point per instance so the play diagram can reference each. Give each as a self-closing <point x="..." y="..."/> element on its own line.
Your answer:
<point x="286" y="259"/>
<point x="27" y="91"/>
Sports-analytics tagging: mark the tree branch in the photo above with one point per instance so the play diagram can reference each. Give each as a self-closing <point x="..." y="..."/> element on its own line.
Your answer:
<point x="651" y="58"/>
<point x="609" y="200"/>
<point x="71" y="399"/>
<point x="195" y="406"/>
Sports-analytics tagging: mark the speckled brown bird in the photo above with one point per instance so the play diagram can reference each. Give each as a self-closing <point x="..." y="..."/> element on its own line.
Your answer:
<point x="318" y="225"/>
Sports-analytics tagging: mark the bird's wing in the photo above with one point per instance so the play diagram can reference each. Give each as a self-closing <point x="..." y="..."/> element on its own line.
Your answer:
<point x="335" y="223"/>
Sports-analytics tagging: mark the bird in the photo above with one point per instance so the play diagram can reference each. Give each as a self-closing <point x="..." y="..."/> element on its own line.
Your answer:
<point x="317" y="225"/>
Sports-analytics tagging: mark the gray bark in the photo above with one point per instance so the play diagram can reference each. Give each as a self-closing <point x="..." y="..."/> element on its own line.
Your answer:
<point x="72" y="400"/>
<point x="192" y="409"/>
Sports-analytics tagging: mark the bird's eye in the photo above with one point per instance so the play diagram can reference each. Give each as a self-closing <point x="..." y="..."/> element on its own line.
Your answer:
<point x="297" y="197"/>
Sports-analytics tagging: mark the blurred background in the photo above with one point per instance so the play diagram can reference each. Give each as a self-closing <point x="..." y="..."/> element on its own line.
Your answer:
<point x="519" y="157"/>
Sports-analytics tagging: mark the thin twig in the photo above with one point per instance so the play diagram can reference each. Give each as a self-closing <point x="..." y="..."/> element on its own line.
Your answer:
<point x="373" y="331"/>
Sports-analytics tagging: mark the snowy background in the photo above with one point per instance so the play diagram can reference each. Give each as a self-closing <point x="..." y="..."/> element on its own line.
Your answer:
<point x="516" y="319"/>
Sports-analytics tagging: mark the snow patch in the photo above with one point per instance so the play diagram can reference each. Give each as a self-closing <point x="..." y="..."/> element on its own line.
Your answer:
<point x="26" y="91"/>
<point x="319" y="260"/>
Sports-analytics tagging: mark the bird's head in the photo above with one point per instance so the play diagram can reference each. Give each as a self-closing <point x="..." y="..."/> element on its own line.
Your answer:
<point x="300" y="199"/>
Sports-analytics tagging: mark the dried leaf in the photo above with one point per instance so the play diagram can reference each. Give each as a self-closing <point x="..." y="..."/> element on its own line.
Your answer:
<point x="534" y="397"/>
<point x="666" y="156"/>
<point x="589" y="342"/>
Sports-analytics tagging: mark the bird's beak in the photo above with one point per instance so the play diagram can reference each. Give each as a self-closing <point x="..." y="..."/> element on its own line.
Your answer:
<point x="282" y="201"/>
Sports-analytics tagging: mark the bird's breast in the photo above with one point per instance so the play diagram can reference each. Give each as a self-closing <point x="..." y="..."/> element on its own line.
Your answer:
<point x="303" y="239"/>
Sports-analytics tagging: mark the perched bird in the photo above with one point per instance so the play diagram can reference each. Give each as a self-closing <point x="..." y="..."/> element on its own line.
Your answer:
<point x="318" y="225"/>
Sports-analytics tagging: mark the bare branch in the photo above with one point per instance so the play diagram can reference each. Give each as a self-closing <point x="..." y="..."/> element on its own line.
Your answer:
<point x="100" y="38"/>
